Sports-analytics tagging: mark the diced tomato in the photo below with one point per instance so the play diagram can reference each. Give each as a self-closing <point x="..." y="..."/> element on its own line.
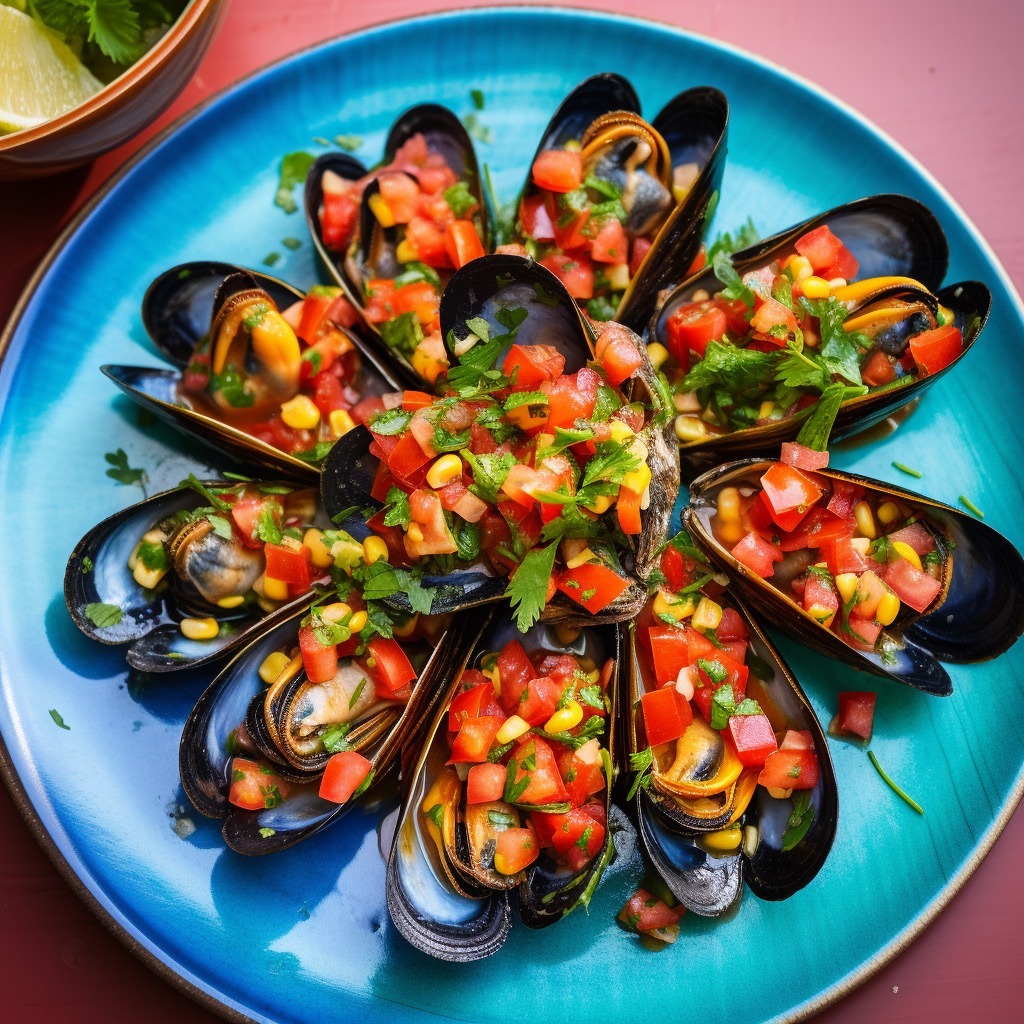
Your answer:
<point x="314" y="310"/>
<point x="732" y="626"/>
<point x="912" y="586"/>
<point x="436" y="539"/>
<point x="844" y="497"/>
<point x="545" y="784"/>
<point x="479" y="700"/>
<point x="917" y="536"/>
<point x="577" y="827"/>
<point x="408" y="462"/>
<point x="539" y="700"/>
<point x="673" y="567"/>
<point x="474" y="739"/>
<point x="692" y="326"/>
<point x="734" y="649"/>
<point x="462" y="242"/>
<point x="610" y="244"/>
<point x="592" y="585"/>
<point x="576" y="272"/>
<point x="569" y="228"/>
<point x="328" y="394"/>
<point x="646" y="913"/>
<point x="670" y="651"/>
<point x="571" y="397"/>
<point x="514" y="850"/>
<point x="856" y="714"/>
<point x="377" y="307"/>
<point x="797" y="739"/>
<point x="535" y="220"/>
<point x="255" y="786"/>
<point x="862" y="633"/>
<point x="841" y="556"/>
<point x="558" y="170"/>
<point x="583" y="779"/>
<point x="485" y="782"/>
<point x="787" y="490"/>
<point x="627" y="509"/>
<point x="667" y="714"/>
<point x="291" y="567"/>
<point x="753" y="737"/>
<point x="401" y="193"/>
<point x="533" y="365"/>
<point x="320" y="662"/>
<point x="757" y="554"/>
<point x="877" y="369"/>
<point x="790" y="768"/>
<point x="247" y="512"/>
<point x="338" y="218"/>
<point x="774" y="320"/>
<point x="420" y="298"/>
<point x="618" y="354"/>
<point x="935" y="350"/>
<point x="515" y="670"/>
<point x="641" y="247"/>
<point x="344" y="774"/>
<point x="388" y="664"/>
<point x="427" y="241"/>
<point x="817" y="528"/>
<point x="828" y="257"/>
<point x="481" y="440"/>
<point x="821" y="601"/>
<point x="800" y="457"/>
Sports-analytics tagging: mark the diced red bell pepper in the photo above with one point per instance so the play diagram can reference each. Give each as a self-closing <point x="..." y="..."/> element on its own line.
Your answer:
<point x="934" y="350"/>
<point x="788" y="491"/>
<point x="289" y="566"/>
<point x="532" y="365"/>
<point x="389" y="665"/>
<point x="485" y="782"/>
<point x="408" y="462"/>
<point x="673" y="568"/>
<point x="692" y="326"/>
<point x="419" y="297"/>
<point x="345" y="773"/>
<point x="670" y="651"/>
<point x="319" y="661"/>
<point x="558" y="170"/>
<point x="592" y="585"/>
<point x="757" y="554"/>
<point x="667" y="715"/>
<point x="912" y="586"/>
<point x="462" y="242"/>
<point x="801" y="457"/>
<point x="856" y="714"/>
<point x="314" y="310"/>
<point x="627" y="509"/>
<point x="753" y="738"/>
<point x="618" y="354"/>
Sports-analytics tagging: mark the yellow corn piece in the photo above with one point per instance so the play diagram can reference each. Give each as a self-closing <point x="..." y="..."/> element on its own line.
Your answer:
<point x="565" y="718"/>
<point x="601" y="503"/>
<point x="617" y="275"/>
<point x="300" y="413"/>
<point x="846" y="584"/>
<point x="620" y="432"/>
<point x="888" y="608"/>
<point x="729" y="505"/>
<point x="199" y="629"/>
<point x="380" y="209"/>
<point x="658" y="354"/>
<point x="707" y="616"/>
<point x="405" y="251"/>
<point x="724" y="839"/>
<point x="444" y="470"/>
<point x="888" y="512"/>
<point x="511" y="729"/>
<point x="319" y="552"/>
<point x="414" y="533"/>
<point x="815" y="287"/>
<point x="357" y="622"/>
<point x="765" y="410"/>
<point x="690" y="428"/>
<point x="374" y="550"/>
<point x="335" y="612"/>
<point x="233" y="601"/>
<point x="147" y="578"/>
<point x="779" y="794"/>
<point x="865" y="520"/>
<point x="800" y="267"/>
<point x="273" y="665"/>
<point x="427" y="366"/>
<point x="341" y="422"/>
<point x="637" y="480"/>
<point x="904" y="550"/>
<point x="276" y="590"/>
<point x="675" y="608"/>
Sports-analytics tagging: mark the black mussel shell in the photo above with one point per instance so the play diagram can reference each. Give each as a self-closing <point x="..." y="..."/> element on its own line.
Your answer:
<point x="708" y="883"/>
<point x="593" y="97"/>
<point x="97" y="573"/>
<point x="980" y="613"/>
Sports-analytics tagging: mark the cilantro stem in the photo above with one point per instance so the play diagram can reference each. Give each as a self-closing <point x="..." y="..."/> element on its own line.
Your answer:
<point x="909" y="470"/>
<point x="892" y="785"/>
<point x="971" y="507"/>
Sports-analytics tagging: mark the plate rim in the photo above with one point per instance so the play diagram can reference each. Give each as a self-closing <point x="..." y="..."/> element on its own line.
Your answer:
<point x="8" y="773"/>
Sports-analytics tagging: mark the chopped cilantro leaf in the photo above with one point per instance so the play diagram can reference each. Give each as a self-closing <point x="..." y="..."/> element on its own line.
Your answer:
<point x="527" y="589"/>
<point x="799" y="821"/>
<point x="121" y="471"/>
<point x="294" y="168"/>
<point x="58" y="720"/>
<point x="103" y="616"/>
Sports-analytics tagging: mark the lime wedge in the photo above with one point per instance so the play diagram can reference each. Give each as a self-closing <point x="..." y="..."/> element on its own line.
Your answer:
<point x="39" y="75"/>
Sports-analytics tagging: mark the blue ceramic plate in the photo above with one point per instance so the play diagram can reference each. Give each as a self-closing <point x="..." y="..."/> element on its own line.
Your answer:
<point x="305" y="936"/>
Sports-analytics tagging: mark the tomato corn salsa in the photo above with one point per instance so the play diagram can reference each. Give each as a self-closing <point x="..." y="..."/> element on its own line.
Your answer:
<point x="439" y="227"/>
<point x="525" y="734"/>
<point x="696" y="665"/>
<point x="249" y="549"/>
<point x="535" y="473"/>
<point x="584" y="228"/>
<point x="791" y="334"/>
<point x="852" y="560"/>
<point x="305" y="391"/>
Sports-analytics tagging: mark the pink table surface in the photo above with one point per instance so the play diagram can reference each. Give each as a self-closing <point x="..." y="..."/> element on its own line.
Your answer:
<point x="944" y="79"/>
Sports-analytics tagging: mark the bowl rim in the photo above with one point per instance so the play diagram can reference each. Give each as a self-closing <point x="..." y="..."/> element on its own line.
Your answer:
<point x="161" y="53"/>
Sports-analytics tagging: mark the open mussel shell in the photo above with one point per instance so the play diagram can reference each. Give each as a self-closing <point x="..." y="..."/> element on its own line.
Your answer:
<point x="694" y="125"/>
<point x="97" y="573"/>
<point x="594" y="96"/>
<point x="239" y="697"/>
<point x="487" y="285"/>
<point x="979" y="613"/>
<point x="708" y="883"/>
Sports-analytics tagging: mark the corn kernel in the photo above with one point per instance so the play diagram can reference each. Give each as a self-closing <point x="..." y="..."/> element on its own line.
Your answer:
<point x="675" y="608"/>
<point x="779" y="794"/>
<point x="617" y="275"/>
<point x="275" y="590"/>
<point x="427" y="366"/>
<point x="800" y="267"/>
<point x="620" y="432"/>
<point x="904" y="550"/>
<point x="335" y="612"/>
<point x="291" y="543"/>
<point x="273" y="665"/>
<point x="511" y="729"/>
<point x="586" y="555"/>
<point x="444" y="470"/>
<point x="865" y="520"/>
<point x="300" y="413"/>
<point x="357" y="622"/>
<point x="815" y="287"/>
<point x="374" y="550"/>
<point x="729" y="505"/>
<point x="888" y="512"/>
<point x="565" y="718"/>
<point x="725" y="839"/>
<point x="147" y="578"/>
<point x="690" y="428"/>
<point x="707" y="616"/>
<point x="319" y="552"/>
<point x="638" y="480"/>
<point x="232" y="601"/>
<point x="199" y="629"/>
<point x="730" y="533"/>
<point x="765" y="410"/>
<point x="658" y="354"/>
<point x="601" y="503"/>
<point x="846" y="584"/>
<point x="414" y="533"/>
<point x="380" y="209"/>
<point x="888" y="608"/>
<point x="405" y="251"/>
<point x="341" y="422"/>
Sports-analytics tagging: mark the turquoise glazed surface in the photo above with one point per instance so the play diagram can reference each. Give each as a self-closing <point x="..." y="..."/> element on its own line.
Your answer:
<point x="305" y="935"/>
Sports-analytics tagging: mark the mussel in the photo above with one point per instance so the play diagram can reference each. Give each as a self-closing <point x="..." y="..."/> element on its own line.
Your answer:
<point x="946" y="586"/>
<point x="389" y="237"/>
<point x="902" y="255"/>
<point x="450" y="872"/>
<point x="637" y="199"/>
<point x="239" y="360"/>
<point x="177" y="563"/>
<point x="490" y="305"/>
<point x="286" y="731"/>
<point x="706" y="821"/>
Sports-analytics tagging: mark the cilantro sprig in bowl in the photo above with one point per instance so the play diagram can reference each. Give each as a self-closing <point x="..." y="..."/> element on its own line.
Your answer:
<point x="542" y="473"/>
<point x="815" y="333"/>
